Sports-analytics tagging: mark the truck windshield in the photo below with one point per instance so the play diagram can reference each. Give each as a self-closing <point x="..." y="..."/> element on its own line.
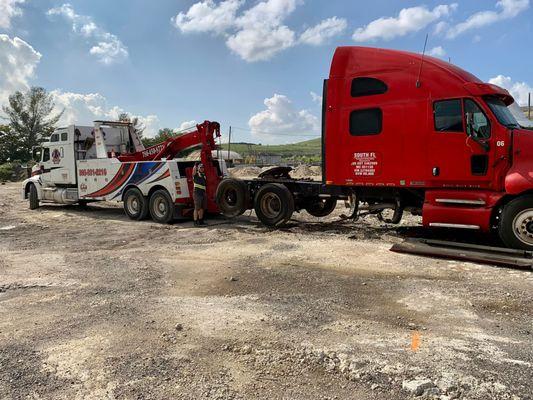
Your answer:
<point x="501" y="112"/>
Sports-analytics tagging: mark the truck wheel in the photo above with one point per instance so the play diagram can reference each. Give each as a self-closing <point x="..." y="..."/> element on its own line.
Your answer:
<point x="33" y="197"/>
<point x="161" y="207"/>
<point x="516" y="223"/>
<point x="274" y="204"/>
<point x="322" y="207"/>
<point x="135" y="204"/>
<point x="232" y="197"/>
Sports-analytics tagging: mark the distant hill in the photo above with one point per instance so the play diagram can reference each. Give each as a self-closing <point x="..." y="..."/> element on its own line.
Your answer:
<point x="306" y="151"/>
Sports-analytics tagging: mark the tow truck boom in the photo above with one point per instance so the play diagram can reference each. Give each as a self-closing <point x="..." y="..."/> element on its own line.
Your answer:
<point x="204" y="135"/>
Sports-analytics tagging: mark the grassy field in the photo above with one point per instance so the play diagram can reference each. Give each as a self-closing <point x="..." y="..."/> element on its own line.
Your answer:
<point x="308" y="151"/>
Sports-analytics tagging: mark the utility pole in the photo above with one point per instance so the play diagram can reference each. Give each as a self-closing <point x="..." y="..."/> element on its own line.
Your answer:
<point x="229" y="142"/>
<point x="529" y="105"/>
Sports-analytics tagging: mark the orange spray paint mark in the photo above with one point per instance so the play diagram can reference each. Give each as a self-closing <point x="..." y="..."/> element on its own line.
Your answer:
<point x="415" y="341"/>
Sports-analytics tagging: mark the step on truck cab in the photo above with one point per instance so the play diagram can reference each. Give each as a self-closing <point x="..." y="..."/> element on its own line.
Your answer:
<point x="108" y="162"/>
<point x="404" y="131"/>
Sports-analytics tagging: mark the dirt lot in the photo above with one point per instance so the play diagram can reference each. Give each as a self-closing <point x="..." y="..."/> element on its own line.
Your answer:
<point x="95" y="306"/>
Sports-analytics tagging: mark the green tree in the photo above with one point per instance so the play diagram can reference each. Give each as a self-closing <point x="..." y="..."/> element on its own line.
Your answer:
<point x="138" y="126"/>
<point x="30" y="118"/>
<point x="11" y="146"/>
<point x="161" y="136"/>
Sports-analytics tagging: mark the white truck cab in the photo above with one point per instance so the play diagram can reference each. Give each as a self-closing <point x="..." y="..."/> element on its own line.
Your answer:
<point x="55" y="175"/>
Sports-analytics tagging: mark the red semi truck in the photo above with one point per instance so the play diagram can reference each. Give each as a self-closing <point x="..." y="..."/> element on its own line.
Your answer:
<point x="407" y="132"/>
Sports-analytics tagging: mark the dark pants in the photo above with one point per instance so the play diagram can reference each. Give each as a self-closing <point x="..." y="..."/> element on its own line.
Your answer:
<point x="200" y="200"/>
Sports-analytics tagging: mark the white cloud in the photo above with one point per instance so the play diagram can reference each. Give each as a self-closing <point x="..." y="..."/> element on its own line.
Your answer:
<point x="8" y="10"/>
<point x="106" y="47"/>
<point x="258" y="33"/>
<point x="316" y="98"/>
<point x="320" y="33"/>
<point x="207" y="16"/>
<point x="261" y="43"/>
<point x="83" y="109"/>
<point x="408" y="20"/>
<point x="437" y="52"/>
<point x="519" y="90"/>
<point x="186" y="125"/>
<point x="110" y="51"/>
<point x="506" y="9"/>
<point x="440" y="27"/>
<point x="281" y="118"/>
<point x="18" y="60"/>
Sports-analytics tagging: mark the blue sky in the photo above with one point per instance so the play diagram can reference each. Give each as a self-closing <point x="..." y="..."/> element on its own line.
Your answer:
<point x="244" y="63"/>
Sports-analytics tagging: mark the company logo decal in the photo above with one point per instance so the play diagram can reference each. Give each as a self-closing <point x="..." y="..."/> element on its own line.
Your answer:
<point x="56" y="156"/>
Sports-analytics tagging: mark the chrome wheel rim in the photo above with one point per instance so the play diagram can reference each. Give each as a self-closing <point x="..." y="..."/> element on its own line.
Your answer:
<point x="160" y="207"/>
<point x="523" y="226"/>
<point x="271" y="205"/>
<point x="133" y="205"/>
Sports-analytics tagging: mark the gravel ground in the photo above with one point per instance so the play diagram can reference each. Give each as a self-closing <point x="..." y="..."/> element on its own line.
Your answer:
<point x="95" y="306"/>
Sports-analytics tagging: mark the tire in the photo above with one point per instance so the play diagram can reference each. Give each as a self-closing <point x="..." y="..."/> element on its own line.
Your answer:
<point x="232" y="197"/>
<point x="322" y="207"/>
<point x="33" y="197"/>
<point x="135" y="204"/>
<point x="161" y="207"/>
<point x="274" y="205"/>
<point x="516" y="223"/>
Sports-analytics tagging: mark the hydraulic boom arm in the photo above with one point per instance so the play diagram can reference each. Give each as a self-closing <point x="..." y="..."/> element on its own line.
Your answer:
<point x="204" y="135"/>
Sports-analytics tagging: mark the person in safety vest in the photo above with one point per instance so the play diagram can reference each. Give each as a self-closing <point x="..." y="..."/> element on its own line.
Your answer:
<point x="199" y="194"/>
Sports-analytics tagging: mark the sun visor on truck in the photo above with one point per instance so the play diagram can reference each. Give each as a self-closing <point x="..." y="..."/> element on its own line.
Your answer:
<point x="488" y="89"/>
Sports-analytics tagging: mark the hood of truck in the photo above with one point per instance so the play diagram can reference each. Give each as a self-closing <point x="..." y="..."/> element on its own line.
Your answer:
<point x="520" y="177"/>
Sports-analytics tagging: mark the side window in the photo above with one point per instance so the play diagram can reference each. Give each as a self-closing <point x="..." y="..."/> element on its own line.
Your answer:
<point x="64" y="136"/>
<point x="46" y="154"/>
<point x="448" y="116"/>
<point x="366" y="122"/>
<point x="54" y="137"/>
<point x="367" y="87"/>
<point x="479" y="124"/>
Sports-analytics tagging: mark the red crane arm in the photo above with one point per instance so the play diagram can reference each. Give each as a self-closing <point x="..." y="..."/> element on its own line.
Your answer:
<point x="204" y="135"/>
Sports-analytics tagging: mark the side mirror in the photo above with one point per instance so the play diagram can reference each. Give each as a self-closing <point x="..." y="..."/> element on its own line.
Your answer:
<point x="36" y="154"/>
<point x="469" y="124"/>
<point x="471" y="132"/>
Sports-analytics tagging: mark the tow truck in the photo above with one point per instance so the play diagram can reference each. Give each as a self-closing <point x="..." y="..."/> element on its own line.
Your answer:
<point x="108" y="162"/>
<point x="407" y="132"/>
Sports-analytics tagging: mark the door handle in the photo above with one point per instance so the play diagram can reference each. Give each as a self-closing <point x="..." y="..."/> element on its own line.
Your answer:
<point x="436" y="171"/>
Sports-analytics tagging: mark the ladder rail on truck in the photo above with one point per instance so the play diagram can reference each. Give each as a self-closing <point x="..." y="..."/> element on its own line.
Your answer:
<point x="408" y="132"/>
<point x="108" y="162"/>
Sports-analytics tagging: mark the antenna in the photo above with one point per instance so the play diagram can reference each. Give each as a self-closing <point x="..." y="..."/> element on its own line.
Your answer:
<point x="418" y="84"/>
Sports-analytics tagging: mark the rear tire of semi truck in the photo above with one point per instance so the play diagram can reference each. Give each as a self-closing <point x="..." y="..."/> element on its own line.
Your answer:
<point x="274" y="205"/>
<point x="322" y="207"/>
<point x="161" y="207"/>
<point x="135" y="204"/>
<point x="516" y="223"/>
<point x="33" y="197"/>
<point x="232" y="197"/>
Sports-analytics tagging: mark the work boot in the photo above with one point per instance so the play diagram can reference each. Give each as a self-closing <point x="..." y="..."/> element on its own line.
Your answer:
<point x="202" y="222"/>
<point x="196" y="222"/>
